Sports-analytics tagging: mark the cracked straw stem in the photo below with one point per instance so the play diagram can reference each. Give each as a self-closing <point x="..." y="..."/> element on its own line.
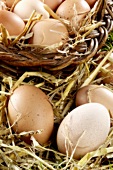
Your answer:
<point x="95" y="72"/>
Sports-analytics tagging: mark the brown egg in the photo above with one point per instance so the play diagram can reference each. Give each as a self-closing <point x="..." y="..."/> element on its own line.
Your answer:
<point x="91" y="2"/>
<point x="95" y="93"/>
<point x="83" y="130"/>
<point x="12" y="22"/>
<point x="30" y="110"/>
<point x="73" y="10"/>
<point x="49" y="32"/>
<point x="24" y="8"/>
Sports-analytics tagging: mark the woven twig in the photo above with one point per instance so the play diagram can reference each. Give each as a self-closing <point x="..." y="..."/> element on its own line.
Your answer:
<point x="81" y="50"/>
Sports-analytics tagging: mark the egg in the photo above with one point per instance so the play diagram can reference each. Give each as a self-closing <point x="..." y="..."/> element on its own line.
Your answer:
<point x="24" y="8"/>
<point x="53" y="4"/>
<point x="29" y="109"/>
<point x="95" y="93"/>
<point x="73" y="10"/>
<point x="83" y="130"/>
<point x="91" y="2"/>
<point x="12" y="22"/>
<point x="49" y="32"/>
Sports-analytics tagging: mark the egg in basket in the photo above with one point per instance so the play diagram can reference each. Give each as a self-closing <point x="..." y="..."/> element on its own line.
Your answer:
<point x="34" y="34"/>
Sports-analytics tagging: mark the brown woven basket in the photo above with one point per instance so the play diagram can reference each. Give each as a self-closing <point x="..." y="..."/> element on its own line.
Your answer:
<point x="92" y="36"/>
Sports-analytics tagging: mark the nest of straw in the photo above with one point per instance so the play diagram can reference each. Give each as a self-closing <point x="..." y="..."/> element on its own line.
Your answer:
<point x="59" y="74"/>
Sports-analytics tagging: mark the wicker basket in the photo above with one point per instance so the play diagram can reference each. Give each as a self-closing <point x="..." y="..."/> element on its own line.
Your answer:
<point x="59" y="74"/>
<point x="92" y="36"/>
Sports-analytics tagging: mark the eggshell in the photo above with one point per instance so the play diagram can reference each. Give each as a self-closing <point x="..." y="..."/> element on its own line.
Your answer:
<point x="91" y="2"/>
<point x="84" y="129"/>
<point x="95" y="93"/>
<point x="73" y="10"/>
<point x="49" y="32"/>
<point x="30" y="110"/>
<point x="25" y="8"/>
<point x="12" y="22"/>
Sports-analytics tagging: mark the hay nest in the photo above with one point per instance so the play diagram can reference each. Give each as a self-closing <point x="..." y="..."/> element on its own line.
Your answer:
<point x="59" y="74"/>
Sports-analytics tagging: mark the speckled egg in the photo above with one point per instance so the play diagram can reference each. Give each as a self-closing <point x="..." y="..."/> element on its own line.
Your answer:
<point x="29" y="109"/>
<point x="74" y="11"/>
